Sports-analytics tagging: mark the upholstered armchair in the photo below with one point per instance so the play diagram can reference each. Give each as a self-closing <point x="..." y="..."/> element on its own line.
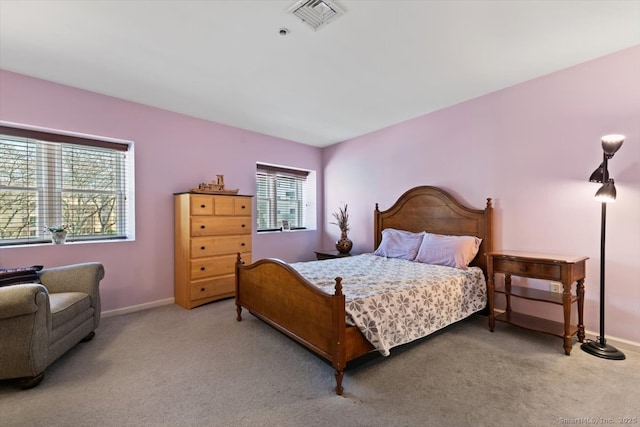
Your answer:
<point x="39" y="322"/>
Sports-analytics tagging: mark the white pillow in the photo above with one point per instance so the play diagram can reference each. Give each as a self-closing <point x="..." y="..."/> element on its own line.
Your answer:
<point x="451" y="251"/>
<point x="399" y="244"/>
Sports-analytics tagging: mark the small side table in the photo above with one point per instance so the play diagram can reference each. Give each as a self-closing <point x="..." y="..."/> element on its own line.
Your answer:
<point x="320" y="255"/>
<point x="557" y="268"/>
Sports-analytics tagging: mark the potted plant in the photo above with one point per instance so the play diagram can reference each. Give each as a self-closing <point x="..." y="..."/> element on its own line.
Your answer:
<point x="58" y="233"/>
<point x="343" y="245"/>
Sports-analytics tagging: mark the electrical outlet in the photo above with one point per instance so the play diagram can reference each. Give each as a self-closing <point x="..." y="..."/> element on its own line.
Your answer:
<point x="555" y="287"/>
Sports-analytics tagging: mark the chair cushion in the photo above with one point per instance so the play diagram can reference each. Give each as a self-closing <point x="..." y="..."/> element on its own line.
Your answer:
<point x="66" y="306"/>
<point x="19" y="275"/>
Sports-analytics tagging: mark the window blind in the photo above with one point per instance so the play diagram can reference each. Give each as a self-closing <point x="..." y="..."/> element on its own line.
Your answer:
<point x="79" y="185"/>
<point x="281" y="195"/>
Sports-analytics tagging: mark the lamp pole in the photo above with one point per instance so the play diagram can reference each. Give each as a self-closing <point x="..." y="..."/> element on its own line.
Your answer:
<point x="600" y="347"/>
<point x="603" y="226"/>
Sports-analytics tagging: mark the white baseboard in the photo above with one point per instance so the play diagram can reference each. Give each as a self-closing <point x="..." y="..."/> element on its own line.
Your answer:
<point x="134" y="308"/>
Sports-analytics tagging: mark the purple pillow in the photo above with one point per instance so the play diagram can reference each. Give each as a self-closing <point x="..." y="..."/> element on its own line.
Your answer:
<point x="399" y="244"/>
<point x="451" y="251"/>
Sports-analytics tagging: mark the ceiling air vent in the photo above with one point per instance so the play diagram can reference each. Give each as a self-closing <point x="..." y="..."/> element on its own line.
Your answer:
<point x="316" y="13"/>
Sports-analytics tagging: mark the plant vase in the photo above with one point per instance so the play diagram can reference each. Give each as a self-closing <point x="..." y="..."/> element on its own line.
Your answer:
<point x="344" y="245"/>
<point x="58" y="237"/>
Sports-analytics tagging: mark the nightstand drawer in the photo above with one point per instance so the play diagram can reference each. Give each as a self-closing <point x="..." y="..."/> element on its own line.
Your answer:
<point x="528" y="269"/>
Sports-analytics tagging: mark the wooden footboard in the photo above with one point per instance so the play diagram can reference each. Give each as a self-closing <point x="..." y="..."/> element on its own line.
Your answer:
<point x="276" y="293"/>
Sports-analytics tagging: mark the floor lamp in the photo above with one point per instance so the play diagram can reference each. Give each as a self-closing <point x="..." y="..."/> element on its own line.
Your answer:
<point x="606" y="194"/>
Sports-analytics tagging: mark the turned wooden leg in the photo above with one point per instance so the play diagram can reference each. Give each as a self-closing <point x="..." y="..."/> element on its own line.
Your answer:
<point x="491" y="302"/>
<point x="567" y="345"/>
<point x="580" y="293"/>
<point x="30" y="382"/>
<point x="339" y="377"/>
<point x="238" y="313"/>
<point x="88" y="337"/>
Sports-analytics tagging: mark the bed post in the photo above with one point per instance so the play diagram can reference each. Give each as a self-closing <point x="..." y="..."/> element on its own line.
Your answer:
<point x="239" y="262"/>
<point x="340" y="353"/>
<point x="377" y="229"/>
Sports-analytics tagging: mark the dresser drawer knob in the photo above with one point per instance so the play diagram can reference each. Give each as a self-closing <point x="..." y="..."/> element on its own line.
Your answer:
<point x="202" y="268"/>
<point x="203" y="206"/>
<point x="522" y="268"/>
<point x="243" y="207"/>
<point x="202" y="227"/>
<point x="242" y="244"/>
<point x="202" y="248"/>
<point x="243" y="225"/>
<point x="202" y="289"/>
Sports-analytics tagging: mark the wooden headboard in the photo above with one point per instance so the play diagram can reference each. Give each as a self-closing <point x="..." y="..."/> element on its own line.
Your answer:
<point x="433" y="210"/>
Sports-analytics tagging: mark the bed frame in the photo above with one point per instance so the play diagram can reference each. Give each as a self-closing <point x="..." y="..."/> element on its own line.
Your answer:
<point x="274" y="292"/>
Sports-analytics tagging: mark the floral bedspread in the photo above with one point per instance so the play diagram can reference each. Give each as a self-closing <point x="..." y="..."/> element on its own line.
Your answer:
<point x="395" y="301"/>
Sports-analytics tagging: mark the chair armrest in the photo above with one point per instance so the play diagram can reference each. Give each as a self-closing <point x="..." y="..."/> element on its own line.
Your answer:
<point x="84" y="277"/>
<point x="20" y="300"/>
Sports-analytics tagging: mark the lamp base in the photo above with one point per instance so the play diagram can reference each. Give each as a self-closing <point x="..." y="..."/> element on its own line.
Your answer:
<point x="606" y="352"/>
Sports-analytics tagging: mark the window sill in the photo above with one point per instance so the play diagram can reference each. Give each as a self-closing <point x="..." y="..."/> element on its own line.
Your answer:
<point x="68" y="243"/>
<point x="295" y="230"/>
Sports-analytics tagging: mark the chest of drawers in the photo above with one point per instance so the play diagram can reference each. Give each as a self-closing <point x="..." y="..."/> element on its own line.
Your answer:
<point x="209" y="231"/>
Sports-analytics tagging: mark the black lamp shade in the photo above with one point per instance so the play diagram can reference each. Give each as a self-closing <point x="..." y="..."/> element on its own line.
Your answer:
<point x="611" y="144"/>
<point x="606" y="193"/>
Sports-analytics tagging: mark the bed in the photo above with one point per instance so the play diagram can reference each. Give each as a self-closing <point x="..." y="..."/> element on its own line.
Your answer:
<point x="315" y="314"/>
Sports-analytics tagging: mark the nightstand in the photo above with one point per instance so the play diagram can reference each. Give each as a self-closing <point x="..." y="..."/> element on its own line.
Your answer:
<point x="557" y="268"/>
<point x="320" y="255"/>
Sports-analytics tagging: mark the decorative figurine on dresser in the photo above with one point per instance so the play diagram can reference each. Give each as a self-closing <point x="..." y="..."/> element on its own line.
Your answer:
<point x="211" y="226"/>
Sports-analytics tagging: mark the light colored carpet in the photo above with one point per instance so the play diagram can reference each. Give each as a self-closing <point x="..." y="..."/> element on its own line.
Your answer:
<point x="171" y="367"/>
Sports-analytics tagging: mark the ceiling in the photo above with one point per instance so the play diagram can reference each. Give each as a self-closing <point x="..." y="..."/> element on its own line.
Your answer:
<point x="381" y="63"/>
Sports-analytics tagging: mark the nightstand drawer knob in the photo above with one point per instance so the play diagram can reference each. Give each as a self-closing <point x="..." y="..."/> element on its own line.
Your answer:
<point x="202" y="248"/>
<point x="203" y="206"/>
<point x="522" y="268"/>
<point x="243" y="244"/>
<point x="202" y="289"/>
<point x="243" y="225"/>
<point x="202" y="268"/>
<point x="202" y="227"/>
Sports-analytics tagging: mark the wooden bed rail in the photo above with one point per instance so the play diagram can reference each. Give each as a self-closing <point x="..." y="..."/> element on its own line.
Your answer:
<point x="277" y="294"/>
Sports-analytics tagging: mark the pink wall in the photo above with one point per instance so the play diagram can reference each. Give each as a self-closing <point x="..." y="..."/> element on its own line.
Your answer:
<point x="173" y="153"/>
<point x="531" y="148"/>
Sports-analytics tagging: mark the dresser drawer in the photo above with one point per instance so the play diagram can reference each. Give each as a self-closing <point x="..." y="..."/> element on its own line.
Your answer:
<point x="528" y="269"/>
<point x="214" y="266"/>
<point x="209" y="226"/>
<point x="216" y="287"/>
<point x="232" y="206"/>
<point x="201" y="204"/>
<point x="210" y="246"/>
<point x="242" y="206"/>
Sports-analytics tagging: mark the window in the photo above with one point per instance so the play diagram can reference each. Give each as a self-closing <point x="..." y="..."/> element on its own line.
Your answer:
<point x="51" y="180"/>
<point x="282" y="195"/>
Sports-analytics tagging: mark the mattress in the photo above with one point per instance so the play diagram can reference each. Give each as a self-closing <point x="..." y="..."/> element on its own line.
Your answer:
<point x="395" y="301"/>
